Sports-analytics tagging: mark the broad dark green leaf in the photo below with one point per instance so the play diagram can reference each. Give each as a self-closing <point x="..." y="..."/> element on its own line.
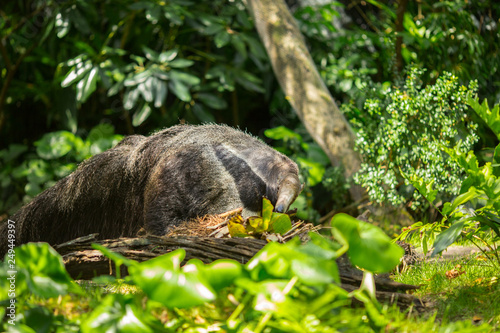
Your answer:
<point x="203" y="114"/>
<point x="103" y="130"/>
<point x="212" y="101"/>
<point x="283" y="261"/>
<point x="369" y="247"/>
<point x="121" y="313"/>
<point x="44" y="270"/>
<point x="163" y="280"/>
<point x="180" y="90"/>
<point x="447" y="237"/>
<point x="55" y="144"/>
<point x="187" y="78"/>
<point x="222" y="38"/>
<point x="219" y="273"/>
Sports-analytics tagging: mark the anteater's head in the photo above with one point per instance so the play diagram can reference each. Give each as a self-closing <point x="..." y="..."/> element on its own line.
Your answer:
<point x="288" y="190"/>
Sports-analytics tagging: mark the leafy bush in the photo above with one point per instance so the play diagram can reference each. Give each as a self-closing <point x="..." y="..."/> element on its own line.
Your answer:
<point x="285" y="287"/>
<point x="25" y="172"/>
<point x="475" y="213"/>
<point x="403" y="134"/>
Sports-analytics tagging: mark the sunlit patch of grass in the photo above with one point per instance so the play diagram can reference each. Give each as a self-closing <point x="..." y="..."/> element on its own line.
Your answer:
<point x="466" y="288"/>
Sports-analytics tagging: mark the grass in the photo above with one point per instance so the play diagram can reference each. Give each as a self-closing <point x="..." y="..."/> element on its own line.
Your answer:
<point x="463" y="289"/>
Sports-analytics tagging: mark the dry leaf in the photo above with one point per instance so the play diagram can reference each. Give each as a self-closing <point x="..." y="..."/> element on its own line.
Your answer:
<point x="454" y="273"/>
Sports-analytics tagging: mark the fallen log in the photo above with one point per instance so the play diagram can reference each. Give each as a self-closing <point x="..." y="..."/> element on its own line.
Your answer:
<point x="84" y="262"/>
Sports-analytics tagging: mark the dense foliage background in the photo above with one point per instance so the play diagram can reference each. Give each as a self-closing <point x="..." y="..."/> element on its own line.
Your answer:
<point x="88" y="72"/>
<point x="417" y="80"/>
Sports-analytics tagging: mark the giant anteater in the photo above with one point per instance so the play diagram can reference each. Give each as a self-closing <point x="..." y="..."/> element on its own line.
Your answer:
<point x="158" y="181"/>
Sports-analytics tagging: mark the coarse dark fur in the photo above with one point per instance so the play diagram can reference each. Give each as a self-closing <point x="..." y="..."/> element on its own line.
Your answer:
<point x="156" y="182"/>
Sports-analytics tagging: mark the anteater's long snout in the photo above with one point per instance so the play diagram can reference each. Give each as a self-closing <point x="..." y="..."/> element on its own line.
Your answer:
<point x="289" y="189"/>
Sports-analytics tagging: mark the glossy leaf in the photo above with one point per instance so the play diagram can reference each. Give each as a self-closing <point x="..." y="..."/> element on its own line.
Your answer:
<point x="181" y="63"/>
<point x="212" y="101"/>
<point x="369" y="247"/>
<point x="490" y="117"/>
<point x="121" y="313"/>
<point x="283" y="261"/>
<point x="203" y="114"/>
<point x="180" y="90"/>
<point x="55" y="144"/>
<point x="163" y="280"/>
<point x="219" y="273"/>
<point x="87" y="85"/>
<point x="76" y="73"/>
<point x="168" y="55"/>
<point x="280" y="223"/>
<point x="141" y="115"/>
<point x="44" y="270"/>
<point x="447" y="237"/>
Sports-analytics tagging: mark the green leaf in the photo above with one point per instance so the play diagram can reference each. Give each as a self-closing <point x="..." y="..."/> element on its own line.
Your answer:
<point x="76" y="73"/>
<point x="181" y="63"/>
<point x="117" y="258"/>
<point x="490" y="117"/>
<point x="163" y="281"/>
<point x="280" y="223"/>
<point x="425" y="188"/>
<point x="369" y="247"/>
<point x="447" y="237"/>
<point x="203" y="114"/>
<point x="220" y="273"/>
<point x="62" y="25"/>
<point x="180" y="90"/>
<point x="267" y="211"/>
<point x="168" y="55"/>
<point x="212" y="101"/>
<point x="160" y="92"/>
<point x="121" y="313"/>
<point x="44" y="270"/>
<point x="283" y="261"/>
<point x="141" y="115"/>
<point x="137" y="78"/>
<point x="101" y="131"/>
<point x="187" y="78"/>
<point x="282" y="133"/>
<point x="239" y="45"/>
<point x="222" y="38"/>
<point x="315" y="170"/>
<point x="87" y="85"/>
<point x="54" y="145"/>
<point x="130" y="98"/>
<point x="460" y="200"/>
<point x="150" y="54"/>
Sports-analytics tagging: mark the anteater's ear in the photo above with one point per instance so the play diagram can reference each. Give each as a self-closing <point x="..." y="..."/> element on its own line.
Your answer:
<point x="289" y="189"/>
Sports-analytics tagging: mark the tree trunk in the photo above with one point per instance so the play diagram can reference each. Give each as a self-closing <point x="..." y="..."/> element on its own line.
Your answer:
<point x="303" y="86"/>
